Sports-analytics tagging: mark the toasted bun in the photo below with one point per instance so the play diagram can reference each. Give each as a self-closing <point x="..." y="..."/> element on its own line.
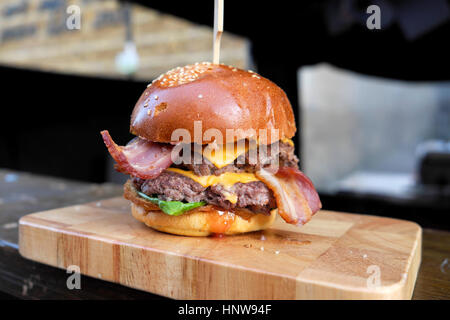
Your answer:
<point x="202" y="221"/>
<point x="220" y="96"/>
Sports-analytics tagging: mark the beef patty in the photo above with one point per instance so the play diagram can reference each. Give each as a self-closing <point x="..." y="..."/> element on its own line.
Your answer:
<point x="172" y="186"/>
<point x="286" y="158"/>
<point x="254" y="196"/>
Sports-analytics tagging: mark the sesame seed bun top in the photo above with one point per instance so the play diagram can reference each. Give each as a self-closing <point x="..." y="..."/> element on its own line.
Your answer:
<point x="221" y="97"/>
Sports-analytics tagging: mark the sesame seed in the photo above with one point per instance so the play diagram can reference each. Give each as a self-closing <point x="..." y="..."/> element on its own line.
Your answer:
<point x="200" y="96"/>
<point x="182" y="75"/>
<point x="262" y="248"/>
<point x="156" y="97"/>
<point x="277" y="252"/>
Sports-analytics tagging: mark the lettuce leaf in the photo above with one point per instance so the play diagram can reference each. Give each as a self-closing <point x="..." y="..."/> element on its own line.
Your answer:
<point x="173" y="208"/>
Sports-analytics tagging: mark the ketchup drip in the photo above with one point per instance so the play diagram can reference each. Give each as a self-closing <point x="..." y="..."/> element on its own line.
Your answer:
<point x="220" y="222"/>
<point x="218" y="235"/>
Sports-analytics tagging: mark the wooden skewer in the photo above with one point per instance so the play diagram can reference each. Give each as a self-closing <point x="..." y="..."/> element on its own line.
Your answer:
<point x="218" y="29"/>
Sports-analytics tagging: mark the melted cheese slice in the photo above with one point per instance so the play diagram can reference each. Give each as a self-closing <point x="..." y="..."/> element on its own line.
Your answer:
<point x="223" y="155"/>
<point x="227" y="179"/>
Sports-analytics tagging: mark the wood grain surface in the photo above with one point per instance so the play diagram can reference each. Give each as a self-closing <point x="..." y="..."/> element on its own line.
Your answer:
<point x="332" y="257"/>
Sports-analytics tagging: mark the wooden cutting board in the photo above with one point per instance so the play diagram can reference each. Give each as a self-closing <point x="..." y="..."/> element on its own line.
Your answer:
<point x="334" y="256"/>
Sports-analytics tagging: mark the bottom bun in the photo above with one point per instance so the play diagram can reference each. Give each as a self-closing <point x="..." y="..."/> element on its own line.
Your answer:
<point x="204" y="221"/>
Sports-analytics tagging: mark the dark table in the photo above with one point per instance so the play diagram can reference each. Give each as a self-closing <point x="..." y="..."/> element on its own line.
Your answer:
<point x="24" y="193"/>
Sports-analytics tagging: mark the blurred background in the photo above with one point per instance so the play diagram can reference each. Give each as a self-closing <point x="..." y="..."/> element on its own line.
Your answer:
<point x="372" y="105"/>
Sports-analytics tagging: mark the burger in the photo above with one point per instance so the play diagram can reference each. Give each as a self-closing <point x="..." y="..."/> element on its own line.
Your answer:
<point x="213" y="154"/>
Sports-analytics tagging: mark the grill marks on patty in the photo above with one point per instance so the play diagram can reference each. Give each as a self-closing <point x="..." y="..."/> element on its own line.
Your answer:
<point x="255" y="196"/>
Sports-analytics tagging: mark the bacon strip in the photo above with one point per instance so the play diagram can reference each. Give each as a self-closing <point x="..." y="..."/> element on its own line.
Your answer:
<point x="297" y="199"/>
<point x="139" y="158"/>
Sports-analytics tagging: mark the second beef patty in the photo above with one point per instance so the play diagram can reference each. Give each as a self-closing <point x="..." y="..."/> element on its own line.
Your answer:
<point x="172" y="186"/>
